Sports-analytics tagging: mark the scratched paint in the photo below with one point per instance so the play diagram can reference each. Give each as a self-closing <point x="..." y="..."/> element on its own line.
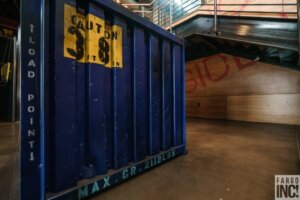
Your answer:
<point x="103" y="98"/>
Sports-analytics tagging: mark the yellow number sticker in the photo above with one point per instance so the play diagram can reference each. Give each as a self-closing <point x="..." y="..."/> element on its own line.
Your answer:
<point x="88" y="40"/>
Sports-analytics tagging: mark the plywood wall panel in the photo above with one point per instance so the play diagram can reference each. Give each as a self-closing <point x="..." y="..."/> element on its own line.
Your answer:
<point x="222" y="75"/>
<point x="228" y="87"/>
<point x="207" y="107"/>
<point x="265" y="108"/>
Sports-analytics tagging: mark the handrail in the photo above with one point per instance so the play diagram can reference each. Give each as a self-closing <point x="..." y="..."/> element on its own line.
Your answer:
<point x="139" y="4"/>
<point x="167" y="13"/>
<point x="216" y="16"/>
<point x="136" y="4"/>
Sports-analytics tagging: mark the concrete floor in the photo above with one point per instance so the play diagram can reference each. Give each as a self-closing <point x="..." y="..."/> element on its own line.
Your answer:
<point x="9" y="168"/>
<point x="226" y="160"/>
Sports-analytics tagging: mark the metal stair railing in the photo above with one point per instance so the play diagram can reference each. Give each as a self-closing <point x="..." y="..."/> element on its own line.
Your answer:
<point x="169" y="13"/>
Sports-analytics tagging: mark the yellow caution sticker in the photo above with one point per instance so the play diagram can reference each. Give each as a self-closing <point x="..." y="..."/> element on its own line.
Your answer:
<point x="88" y="39"/>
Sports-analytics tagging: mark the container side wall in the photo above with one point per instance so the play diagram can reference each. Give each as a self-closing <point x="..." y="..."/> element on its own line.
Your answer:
<point x="140" y="84"/>
<point x="97" y="120"/>
<point x="178" y="94"/>
<point x="167" y="95"/>
<point x="122" y="101"/>
<point x="156" y="93"/>
<point x="65" y="133"/>
<point x="114" y="102"/>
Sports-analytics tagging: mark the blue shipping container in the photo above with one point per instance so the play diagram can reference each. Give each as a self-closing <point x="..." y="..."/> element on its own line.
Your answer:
<point x="102" y="97"/>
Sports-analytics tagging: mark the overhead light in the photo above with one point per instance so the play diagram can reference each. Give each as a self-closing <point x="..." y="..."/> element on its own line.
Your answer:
<point x="243" y="30"/>
<point x="178" y="2"/>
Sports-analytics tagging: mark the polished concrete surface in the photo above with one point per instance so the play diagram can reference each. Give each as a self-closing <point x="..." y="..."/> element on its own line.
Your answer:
<point x="9" y="163"/>
<point x="226" y="160"/>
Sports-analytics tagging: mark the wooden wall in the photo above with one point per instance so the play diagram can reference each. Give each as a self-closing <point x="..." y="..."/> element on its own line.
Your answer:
<point x="228" y="87"/>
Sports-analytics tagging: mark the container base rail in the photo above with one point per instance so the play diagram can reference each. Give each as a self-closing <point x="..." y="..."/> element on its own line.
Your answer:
<point x="99" y="184"/>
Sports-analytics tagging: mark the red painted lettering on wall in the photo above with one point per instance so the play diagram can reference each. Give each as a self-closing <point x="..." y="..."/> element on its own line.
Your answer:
<point x="226" y="68"/>
<point x="201" y="73"/>
<point x="190" y="81"/>
<point x="242" y="66"/>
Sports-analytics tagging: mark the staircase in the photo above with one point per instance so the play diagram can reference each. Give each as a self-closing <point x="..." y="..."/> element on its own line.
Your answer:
<point x="268" y="29"/>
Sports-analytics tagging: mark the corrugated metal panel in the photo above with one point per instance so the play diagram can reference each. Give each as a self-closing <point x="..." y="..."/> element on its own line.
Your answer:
<point x="102" y="97"/>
